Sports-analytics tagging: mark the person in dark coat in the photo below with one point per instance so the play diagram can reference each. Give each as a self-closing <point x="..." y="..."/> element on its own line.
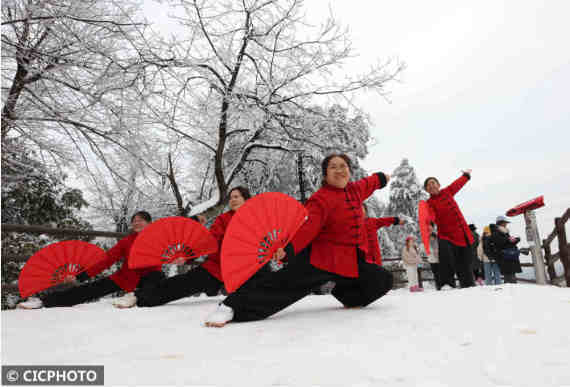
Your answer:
<point x="454" y="236"/>
<point x="487" y="254"/>
<point x="330" y="246"/>
<point x="477" y="265"/>
<point x="206" y="278"/>
<point x="506" y="247"/>
<point x="125" y="278"/>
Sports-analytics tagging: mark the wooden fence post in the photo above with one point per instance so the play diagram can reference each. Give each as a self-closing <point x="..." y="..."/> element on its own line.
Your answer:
<point x="548" y="258"/>
<point x="533" y="238"/>
<point x="563" y="248"/>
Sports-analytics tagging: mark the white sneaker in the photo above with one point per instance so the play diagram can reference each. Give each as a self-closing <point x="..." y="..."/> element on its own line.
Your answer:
<point x="31" y="303"/>
<point x="447" y="287"/>
<point x="220" y="317"/>
<point x="127" y="301"/>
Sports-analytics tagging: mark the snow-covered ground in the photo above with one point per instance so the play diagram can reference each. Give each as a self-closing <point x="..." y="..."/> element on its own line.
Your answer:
<point x="511" y="335"/>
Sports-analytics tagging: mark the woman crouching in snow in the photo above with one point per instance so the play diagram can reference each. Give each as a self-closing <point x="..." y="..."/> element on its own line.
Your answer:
<point x="125" y="279"/>
<point x="206" y="278"/>
<point x="330" y="246"/>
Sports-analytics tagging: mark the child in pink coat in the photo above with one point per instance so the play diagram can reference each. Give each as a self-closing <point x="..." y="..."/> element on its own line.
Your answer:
<point x="411" y="258"/>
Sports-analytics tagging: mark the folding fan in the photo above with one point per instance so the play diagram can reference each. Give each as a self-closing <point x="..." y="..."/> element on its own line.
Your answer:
<point x="167" y="239"/>
<point x="52" y="264"/>
<point x="425" y="217"/>
<point x="261" y="225"/>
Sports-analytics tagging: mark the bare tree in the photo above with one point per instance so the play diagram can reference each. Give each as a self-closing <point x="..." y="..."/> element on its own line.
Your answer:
<point x="64" y="65"/>
<point x="240" y="81"/>
<point x="142" y="117"/>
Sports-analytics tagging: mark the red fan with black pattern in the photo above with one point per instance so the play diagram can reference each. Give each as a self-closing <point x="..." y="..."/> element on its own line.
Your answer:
<point x="168" y="239"/>
<point x="261" y="225"/>
<point x="52" y="264"/>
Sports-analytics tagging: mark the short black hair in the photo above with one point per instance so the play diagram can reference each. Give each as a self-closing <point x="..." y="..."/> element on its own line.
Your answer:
<point x="143" y="214"/>
<point x="428" y="179"/>
<point x="244" y="191"/>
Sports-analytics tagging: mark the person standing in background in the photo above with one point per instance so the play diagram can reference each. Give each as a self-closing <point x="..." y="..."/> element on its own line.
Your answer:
<point x="433" y="257"/>
<point x="373" y="255"/>
<point x="411" y="258"/>
<point x="455" y="238"/>
<point x="490" y="265"/>
<point x="477" y="264"/>
<point x="506" y="247"/>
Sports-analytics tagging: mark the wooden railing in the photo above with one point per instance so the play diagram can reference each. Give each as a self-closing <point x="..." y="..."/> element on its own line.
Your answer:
<point x="563" y="253"/>
<point x="559" y="231"/>
<point x="7" y="227"/>
<point x="402" y="270"/>
<point x="425" y="269"/>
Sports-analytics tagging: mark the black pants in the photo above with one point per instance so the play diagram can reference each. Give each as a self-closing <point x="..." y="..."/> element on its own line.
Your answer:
<point x="477" y="265"/>
<point x="266" y="293"/>
<point x="478" y="273"/>
<point x="435" y="269"/>
<point x="179" y="286"/>
<point x="80" y="294"/>
<point x="455" y="259"/>
<point x="510" y="278"/>
<point x="94" y="290"/>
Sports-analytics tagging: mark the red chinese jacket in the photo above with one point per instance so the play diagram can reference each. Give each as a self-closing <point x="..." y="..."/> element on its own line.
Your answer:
<point x="335" y="226"/>
<point x="451" y="224"/>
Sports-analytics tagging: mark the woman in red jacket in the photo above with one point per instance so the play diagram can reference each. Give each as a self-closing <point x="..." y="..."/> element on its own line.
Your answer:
<point x="372" y="225"/>
<point x="125" y="279"/>
<point x="205" y="278"/>
<point x="453" y="233"/>
<point x="330" y="246"/>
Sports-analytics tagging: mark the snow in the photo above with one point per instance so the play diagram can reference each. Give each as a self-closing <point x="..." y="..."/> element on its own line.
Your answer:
<point x="508" y="335"/>
<point x="199" y="208"/>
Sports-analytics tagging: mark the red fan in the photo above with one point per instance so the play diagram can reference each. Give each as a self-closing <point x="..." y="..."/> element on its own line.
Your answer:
<point x="170" y="238"/>
<point x="425" y="218"/>
<point x="52" y="264"/>
<point x="262" y="225"/>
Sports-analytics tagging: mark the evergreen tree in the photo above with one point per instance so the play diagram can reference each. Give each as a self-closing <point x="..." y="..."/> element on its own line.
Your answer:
<point x="405" y="195"/>
<point x="32" y="195"/>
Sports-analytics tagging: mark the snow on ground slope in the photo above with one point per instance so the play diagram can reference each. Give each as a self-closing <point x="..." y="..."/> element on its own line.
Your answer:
<point x="510" y="335"/>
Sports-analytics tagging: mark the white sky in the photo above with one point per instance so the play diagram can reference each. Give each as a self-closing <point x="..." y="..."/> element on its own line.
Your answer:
<point x="486" y="88"/>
